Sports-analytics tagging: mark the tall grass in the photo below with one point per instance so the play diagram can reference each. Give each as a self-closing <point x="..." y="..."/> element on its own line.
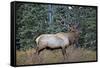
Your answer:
<point x="54" y="56"/>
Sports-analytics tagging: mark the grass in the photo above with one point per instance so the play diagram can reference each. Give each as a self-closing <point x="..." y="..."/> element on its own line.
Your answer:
<point x="54" y="56"/>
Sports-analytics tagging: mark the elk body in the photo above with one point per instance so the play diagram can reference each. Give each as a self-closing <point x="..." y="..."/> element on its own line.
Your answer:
<point x="59" y="40"/>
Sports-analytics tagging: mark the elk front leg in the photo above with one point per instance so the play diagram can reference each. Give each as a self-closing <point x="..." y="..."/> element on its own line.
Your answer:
<point x="64" y="52"/>
<point x="38" y="50"/>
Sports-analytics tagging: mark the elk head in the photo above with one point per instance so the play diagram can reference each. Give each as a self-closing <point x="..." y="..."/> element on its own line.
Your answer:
<point x="73" y="27"/>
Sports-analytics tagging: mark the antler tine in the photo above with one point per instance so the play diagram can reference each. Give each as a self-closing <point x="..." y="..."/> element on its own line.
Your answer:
<point x="78" y="24"/>
<point x="70" y="24"/>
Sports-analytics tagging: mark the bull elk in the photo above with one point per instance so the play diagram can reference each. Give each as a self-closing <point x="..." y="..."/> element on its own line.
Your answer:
<point x="58" y="40"/>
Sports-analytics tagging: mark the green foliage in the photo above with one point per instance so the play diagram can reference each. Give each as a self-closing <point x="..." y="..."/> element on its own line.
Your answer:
<point x="32" y="20"/>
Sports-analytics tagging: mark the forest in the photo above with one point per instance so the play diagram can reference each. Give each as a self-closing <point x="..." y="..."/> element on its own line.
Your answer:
<point x="33" y="20"/>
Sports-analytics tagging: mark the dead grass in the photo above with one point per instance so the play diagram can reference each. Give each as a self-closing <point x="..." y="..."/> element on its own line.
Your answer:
<point x="55" y="56"/>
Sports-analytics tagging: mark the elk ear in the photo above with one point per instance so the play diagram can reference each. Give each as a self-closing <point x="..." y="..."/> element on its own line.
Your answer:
<point x="76" y="25"/>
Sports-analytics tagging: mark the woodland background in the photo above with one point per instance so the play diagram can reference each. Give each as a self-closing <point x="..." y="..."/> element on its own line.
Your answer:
<point x="33" y="20"/>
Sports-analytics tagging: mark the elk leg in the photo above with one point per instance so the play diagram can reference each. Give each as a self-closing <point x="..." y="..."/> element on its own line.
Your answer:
<point x="38" y="50"/>
<point x="64" y="52"/>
